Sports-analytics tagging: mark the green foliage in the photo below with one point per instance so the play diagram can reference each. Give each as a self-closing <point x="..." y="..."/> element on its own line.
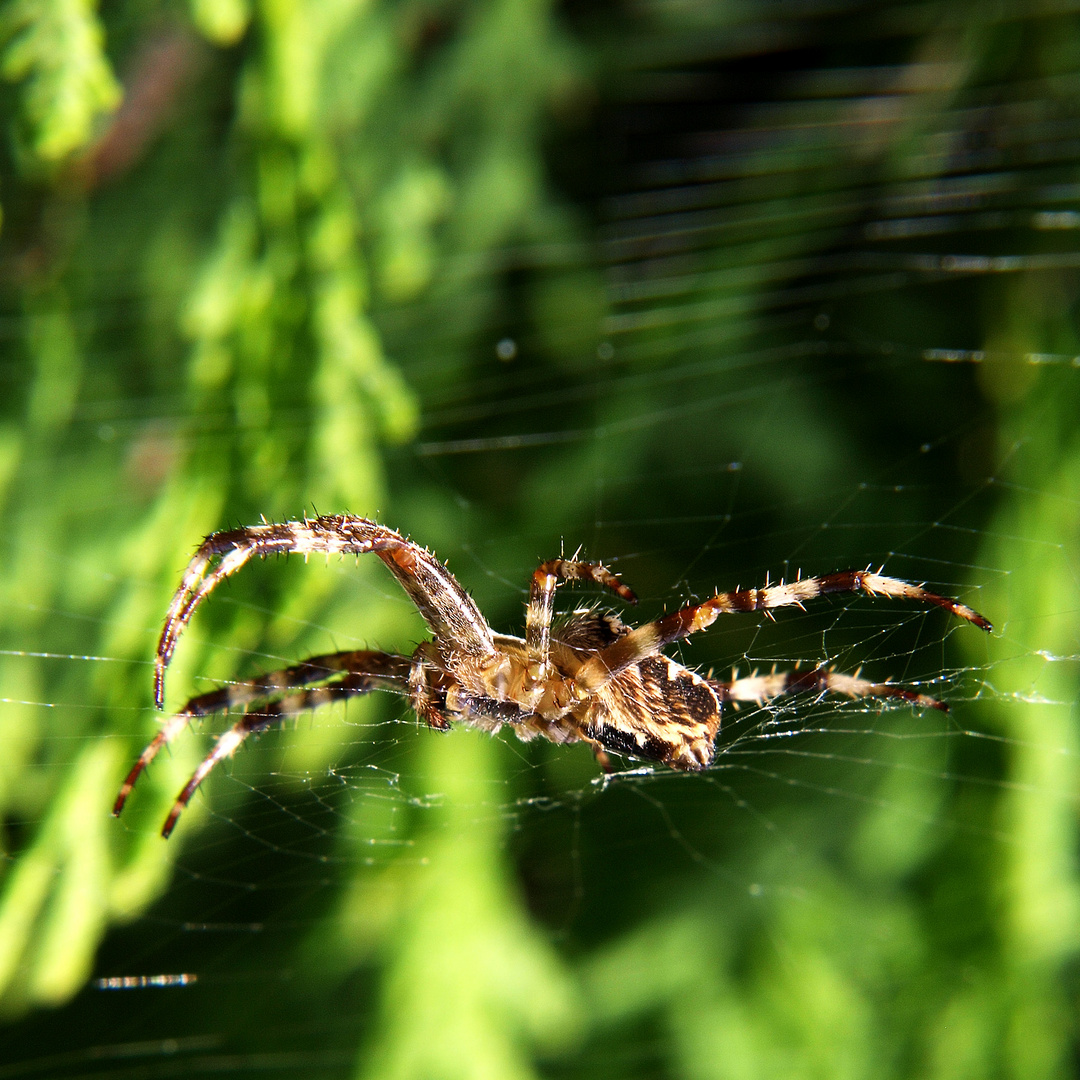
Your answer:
<point x="464" y="963"/>
<point x="55" y="50"/>
<point x="287" y="295"/>
<point x="271" y="333"/>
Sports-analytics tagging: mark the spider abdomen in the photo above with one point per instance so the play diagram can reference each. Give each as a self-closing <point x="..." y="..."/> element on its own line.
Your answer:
<point x="658" y="710"/>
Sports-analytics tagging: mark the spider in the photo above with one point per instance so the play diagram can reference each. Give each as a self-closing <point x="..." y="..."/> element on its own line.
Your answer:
<point x="592" y="678"/>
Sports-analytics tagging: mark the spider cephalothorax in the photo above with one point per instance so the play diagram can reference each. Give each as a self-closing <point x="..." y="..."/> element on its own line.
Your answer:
<point x="592" y="678"/>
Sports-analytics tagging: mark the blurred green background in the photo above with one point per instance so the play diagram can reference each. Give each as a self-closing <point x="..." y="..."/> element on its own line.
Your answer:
<point x="718" y="291"/>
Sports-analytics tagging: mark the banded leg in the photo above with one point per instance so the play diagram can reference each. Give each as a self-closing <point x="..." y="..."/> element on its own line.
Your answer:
<point x="539" y="613"/>
<point x="364" y="670"/>
<point x="272" y="712"/>
<point x="447" y="608"/>
<point x="650" y="639"/>
<point x="762" y="688"/>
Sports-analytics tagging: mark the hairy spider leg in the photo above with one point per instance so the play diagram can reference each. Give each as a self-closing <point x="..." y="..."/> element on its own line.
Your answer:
<point x="540" y="610"/>
<point x="762" y="688"/>
<point x="449" y="611"/>
<point x="650" y="639"/>
<point x="364" y="671"/>
<point x="272" y="712"/>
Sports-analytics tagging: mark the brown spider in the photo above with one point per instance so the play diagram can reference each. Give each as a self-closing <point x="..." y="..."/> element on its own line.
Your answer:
<point x="593" y="679"/>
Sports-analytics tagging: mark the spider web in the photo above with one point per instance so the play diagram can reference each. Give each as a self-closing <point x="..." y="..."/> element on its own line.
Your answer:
<point x="821" y="429"/>
<point x="324" y="821"/>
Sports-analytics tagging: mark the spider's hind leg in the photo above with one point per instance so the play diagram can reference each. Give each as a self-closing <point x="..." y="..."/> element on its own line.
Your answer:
<point x="649" y="639"/>
<point x="760" y="689"/>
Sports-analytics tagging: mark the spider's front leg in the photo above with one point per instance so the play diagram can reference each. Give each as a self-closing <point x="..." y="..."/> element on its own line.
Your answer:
<point x="268" y="700"/>
<point x="447" y="608"/>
